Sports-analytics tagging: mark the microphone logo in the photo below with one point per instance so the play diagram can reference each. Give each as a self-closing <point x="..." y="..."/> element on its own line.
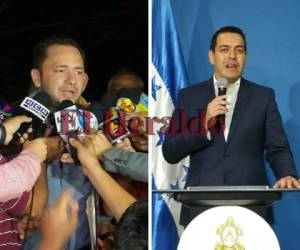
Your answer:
<point x="35" y="108"/>
<point x="126" y="105"/>
<point x="71" y="120"/>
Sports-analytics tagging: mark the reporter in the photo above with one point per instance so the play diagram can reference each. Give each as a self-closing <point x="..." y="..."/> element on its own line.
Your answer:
<point x="122" y="158"/>
<point x="17" y="178"/>
<point x="131" y="215"/>
<point x="11" y="126"/>
<point x="20" y="174"/>
<point x="116" y="198"/>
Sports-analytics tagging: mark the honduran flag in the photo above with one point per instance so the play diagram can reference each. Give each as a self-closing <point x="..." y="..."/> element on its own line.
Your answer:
<point x="168" y="75"/>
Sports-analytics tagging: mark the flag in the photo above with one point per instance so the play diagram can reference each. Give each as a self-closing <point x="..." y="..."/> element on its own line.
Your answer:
<point x="168" y="76"/>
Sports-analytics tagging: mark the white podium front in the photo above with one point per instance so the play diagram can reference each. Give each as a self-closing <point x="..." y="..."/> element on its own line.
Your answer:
<point x="228" y="228"/>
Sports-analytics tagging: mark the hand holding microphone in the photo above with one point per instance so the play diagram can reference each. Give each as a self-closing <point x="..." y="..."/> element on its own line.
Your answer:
<point x="86" y="154"/>
<point x="37" y="108"/>
<point x="11" y="126"/>
<point x="130" y="107"/>
<point x="38" y="147"/>
<point x="112" y="121"/>
<point x="217" y="107"/>
<point x="73" y="122"/>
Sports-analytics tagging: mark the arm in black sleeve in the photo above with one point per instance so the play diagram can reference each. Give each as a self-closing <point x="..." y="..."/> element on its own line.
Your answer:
<point x="182" y="142"/>
<point x="278" y="152"/>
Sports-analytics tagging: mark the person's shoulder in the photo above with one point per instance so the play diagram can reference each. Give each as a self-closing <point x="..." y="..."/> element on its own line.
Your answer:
<point x="195" y="88"/>
<point x="257" y="86"/>
<point x="15" y="206"/>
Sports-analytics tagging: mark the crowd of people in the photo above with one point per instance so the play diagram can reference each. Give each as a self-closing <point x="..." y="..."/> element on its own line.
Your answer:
<point x="44" y="193"/>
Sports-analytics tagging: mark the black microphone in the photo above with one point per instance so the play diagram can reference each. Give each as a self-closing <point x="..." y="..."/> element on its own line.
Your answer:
<point x="132" y="94"/>
<point x="108" y="100"/>
<point x="222" y="84"/>
<point x="37" y="108"/>
<point x="128" y="100"/>
<point x="60" y="124"/>
<point x="110" y="121"/>
<point x="71" y="122"/>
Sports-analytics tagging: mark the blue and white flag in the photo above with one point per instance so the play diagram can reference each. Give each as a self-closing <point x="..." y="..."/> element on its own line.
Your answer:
<point x="168" y="77"/>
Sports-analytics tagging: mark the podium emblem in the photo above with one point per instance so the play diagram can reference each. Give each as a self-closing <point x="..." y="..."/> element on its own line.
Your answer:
<point x="228" y="228"/>
<point x="229" y="234"/>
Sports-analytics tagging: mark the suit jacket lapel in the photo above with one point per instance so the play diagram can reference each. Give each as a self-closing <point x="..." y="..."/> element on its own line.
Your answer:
<point x="243" y="98"/>
<point x="210" y="91"/>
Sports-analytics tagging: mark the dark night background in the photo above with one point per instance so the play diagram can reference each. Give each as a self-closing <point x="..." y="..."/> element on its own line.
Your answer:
<point x="113" y="34"/>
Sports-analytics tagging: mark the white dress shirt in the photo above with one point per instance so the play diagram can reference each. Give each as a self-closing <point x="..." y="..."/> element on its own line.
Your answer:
<point x="231" y="97"/>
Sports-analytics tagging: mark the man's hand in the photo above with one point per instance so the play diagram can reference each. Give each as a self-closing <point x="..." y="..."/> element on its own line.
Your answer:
<point x="137" y="123"/>
<point x="59" y="222"/>
<point x="38" y="147"/>
<point x="287" y="182"/>
<point x="33" y="225"/>
<point x="216" y="107"/>
<point x="125" y="145"/>
<point x="86" y="154"/>
<point x="55" y="147"/>
<point x="12" y="125"/>
<point x="101" y="144"/>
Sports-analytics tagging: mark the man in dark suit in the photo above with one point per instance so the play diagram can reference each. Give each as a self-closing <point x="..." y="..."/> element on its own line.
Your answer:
<point x="253" y="127"/>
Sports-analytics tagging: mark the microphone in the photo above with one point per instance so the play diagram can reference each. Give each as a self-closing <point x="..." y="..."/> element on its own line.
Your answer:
<point x="111" y="122"/>
<point x="72" y="122"/>
<point x="127" y="100"/>
<point x="37" y="108"/>
<point x="70" y="118"/>
<point x="130" y="100"/>
<point x="222" y="84"/>
<point x="108" y="100"/>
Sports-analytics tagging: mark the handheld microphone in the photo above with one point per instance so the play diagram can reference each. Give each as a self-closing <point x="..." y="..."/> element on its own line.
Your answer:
<point x="72" y="122"/>
<point x="37" y="108"/>
<point x="130" y="101"/>
<point x="111" y="122"/>
<point x="126" y="101"/>
<point x="222" y="84"/>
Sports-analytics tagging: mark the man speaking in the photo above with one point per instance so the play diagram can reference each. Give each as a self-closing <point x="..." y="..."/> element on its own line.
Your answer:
<point x="230" y="151"/>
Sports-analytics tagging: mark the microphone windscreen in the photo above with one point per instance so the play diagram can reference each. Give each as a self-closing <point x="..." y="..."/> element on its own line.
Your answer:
<point x="222" y="83"/>
<point x="98" y="110"/>
<point x="132" y="94"/>
<point x="109" y="100"/>
<point x="65" y="104"/>
<point x="36" y="106"/>
<point x="43" y="98"/>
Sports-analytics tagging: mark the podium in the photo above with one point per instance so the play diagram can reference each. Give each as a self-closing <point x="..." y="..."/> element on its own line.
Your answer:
<point x="256" y="198"/>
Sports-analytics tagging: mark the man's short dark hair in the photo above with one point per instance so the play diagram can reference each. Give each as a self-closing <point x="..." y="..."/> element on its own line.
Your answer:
<point x="227" y="29"/>
<point x="132" y="231"/>
<point x="40" y="50"/>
